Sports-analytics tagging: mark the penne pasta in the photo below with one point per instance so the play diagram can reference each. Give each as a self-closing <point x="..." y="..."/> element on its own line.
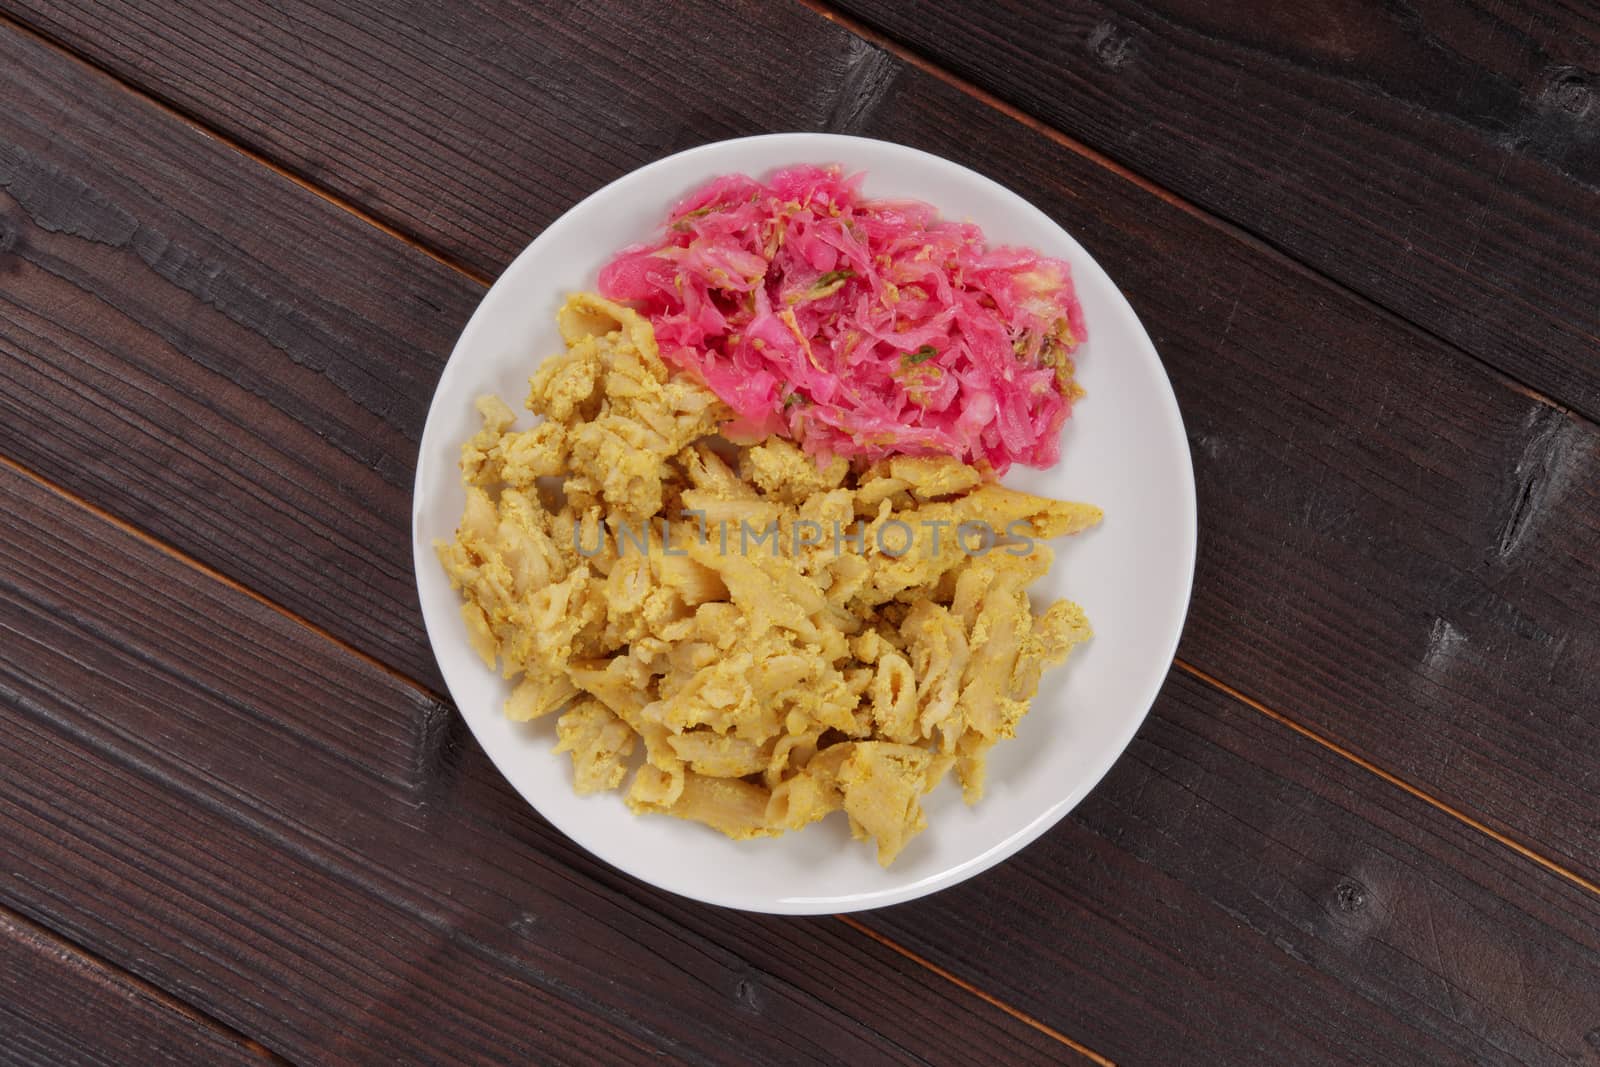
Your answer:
<point x="732" y="633"/>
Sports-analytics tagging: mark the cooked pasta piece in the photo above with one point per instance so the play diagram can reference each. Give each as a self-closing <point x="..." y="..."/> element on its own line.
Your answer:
<point x="882" y="783"/>
<point x="757" y="639"/>
<point x="600" y="744"/>
<point x="730" y="805"/>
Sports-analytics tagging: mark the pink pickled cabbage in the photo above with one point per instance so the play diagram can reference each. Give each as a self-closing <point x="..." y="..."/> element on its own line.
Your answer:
<point x="859" y="327"/>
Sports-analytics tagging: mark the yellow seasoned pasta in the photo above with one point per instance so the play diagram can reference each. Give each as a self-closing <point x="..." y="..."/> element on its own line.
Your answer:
<point x="758" y="639"/>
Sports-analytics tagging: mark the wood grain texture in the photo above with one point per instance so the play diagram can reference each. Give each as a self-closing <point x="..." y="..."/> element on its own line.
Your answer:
<point x="217" y="357"/>
<point x="1398" y="549"/>
<point x="315" y="855"/>
<point x="1233" y="882"/>
<point x="1232" y="894"/>
<point x="234" y="809"/>
<point x="59" y="1008"/>
<point x="1442" y="158"/>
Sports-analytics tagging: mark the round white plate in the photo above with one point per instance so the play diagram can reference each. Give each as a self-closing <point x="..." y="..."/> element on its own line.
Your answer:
<point x="1124" y="449"/>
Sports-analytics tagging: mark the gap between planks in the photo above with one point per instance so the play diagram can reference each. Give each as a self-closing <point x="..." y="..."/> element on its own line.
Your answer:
<point x="867" y="931"/>
<point x="172" y="111"/>
<point x="1393" y="779"/>
<point x="208" y="571"/>
<point x="92" y="962"/>
<point x="211" y="572"/>
<point x="982" y="96"/>
<point x="927" y="66"/>
<point x="1333" y="746"/>
<point x="989" y="100"/>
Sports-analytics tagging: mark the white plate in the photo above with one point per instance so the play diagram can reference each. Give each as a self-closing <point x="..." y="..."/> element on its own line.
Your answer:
<point x="1124" y="449"/>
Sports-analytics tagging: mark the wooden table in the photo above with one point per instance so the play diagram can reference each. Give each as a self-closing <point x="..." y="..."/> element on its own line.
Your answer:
<point x="239" y="819"/>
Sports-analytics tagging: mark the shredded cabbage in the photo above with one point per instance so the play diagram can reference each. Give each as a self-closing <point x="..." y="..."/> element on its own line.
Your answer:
<point x="858" y="327"/>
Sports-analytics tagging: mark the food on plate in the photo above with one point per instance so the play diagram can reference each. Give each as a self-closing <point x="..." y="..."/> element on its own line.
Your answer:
<point x="859" y="328"/>
<point x="745" y="635"/>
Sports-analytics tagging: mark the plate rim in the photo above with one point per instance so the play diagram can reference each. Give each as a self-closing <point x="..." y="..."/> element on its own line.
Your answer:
<point x="1000" y="850"/>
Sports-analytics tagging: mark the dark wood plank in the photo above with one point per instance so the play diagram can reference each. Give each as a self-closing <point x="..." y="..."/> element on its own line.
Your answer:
<point x="310" y="854"/>
<point x="1528" y="488"/>
<point x="1441" y="158"/>
<point x="1234" y="893"/>
<point x="1398" y="548"/>
<point x="1208" y="941"/>
<point x="59" y="1008"/>
<point x="210" y="795"/>
<point x="241" y="372"/>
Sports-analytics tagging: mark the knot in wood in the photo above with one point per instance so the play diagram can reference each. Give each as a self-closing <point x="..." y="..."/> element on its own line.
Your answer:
<point x="10" y="233"/>
<point x="1349" y="896"/>
<point x="747" y="995"/>
<point x="1571" y="90"/>
<point x="1110" y="45"/>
